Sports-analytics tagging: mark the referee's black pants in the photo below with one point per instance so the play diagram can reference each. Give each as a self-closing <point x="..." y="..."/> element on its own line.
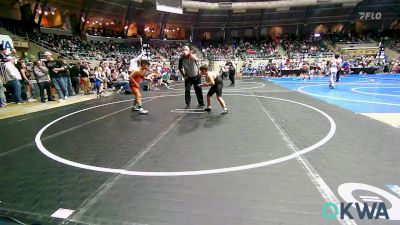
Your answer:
<point x="232" y="76"/>
<point x="195" y="81"/>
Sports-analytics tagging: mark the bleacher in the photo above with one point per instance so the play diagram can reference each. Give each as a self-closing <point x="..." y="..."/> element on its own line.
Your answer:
<point x="77" y="48"/>
<point x="306" y="48"/>
<point x="260" y="50"/>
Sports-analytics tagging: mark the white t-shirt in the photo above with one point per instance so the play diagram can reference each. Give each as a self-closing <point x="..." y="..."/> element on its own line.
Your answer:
<point x="133" y="63"/>
<point x="12" y="71"/>
<point x="108" y="71"/>
<point x="123" y="76"/>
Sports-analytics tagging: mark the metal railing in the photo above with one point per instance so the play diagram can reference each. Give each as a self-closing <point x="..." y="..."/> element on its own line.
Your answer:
<point x="56" y="31"/>
<point x="312" y="55"/>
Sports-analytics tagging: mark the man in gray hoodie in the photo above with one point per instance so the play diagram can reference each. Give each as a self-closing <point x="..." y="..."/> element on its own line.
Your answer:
<point x="43" y="80"/>
<point x="190" y="72"/>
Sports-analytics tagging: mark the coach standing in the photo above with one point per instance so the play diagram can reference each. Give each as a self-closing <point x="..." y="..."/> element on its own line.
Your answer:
<point x="190" y="71"/>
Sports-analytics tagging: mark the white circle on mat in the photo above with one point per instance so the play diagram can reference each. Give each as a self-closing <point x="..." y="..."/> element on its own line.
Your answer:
<point x="301" y="89"/>
<point x="46" y="152"/>
<point x="357" y="90"/>
<point x="260" y="85"/>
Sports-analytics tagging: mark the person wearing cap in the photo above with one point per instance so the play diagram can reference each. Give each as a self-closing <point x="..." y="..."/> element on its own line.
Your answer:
<point x="14" y="54"/>
<point x="55" y="69"/>
<point x="43" y="80"/>
<point x="13" y="77"/>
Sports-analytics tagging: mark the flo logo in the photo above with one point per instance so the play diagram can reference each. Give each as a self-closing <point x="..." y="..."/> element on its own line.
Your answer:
<point x="362" y="201"/>
<point x="370" y="15"/>
<point x="377" y="211"/>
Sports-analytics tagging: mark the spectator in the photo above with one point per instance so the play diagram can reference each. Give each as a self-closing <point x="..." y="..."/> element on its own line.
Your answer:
<point x="122" y="81"/>
<point x="65" y="74"/>
<point x="3" y="54"/>
<point x="43" y="80"/>
<point x="74" y="76"/>
<point x="15" y="55"/>
<point x="13" y="77"/>
<point x="3" y="99"/>
<point x="85" y="74"/>
<point x="26" y="84"/>
<point x="55" y="69"/>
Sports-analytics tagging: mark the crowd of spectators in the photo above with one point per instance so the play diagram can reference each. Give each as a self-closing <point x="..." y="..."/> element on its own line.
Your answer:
<point x="308" y="47"/>
<point x="349" y="37"/>
<point x="57" y="77"/>
<point x="260" y="50"/>
<point x="77" y="48"/>
<point x="393" y="42"/>
<point x="223" y="51"/>
<point x="169" y="51"/>
<point x="51" y="78"/>
<point x="105" y="31"/>
<point x="351" y="64"/>
<point x="216" y="51"/>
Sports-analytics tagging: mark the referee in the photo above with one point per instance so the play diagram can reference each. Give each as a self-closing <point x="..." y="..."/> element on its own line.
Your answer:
<point x="190" y="72"/>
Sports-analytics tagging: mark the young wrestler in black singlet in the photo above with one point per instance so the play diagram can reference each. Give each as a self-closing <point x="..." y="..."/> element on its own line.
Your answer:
<point x="216" y="84"/>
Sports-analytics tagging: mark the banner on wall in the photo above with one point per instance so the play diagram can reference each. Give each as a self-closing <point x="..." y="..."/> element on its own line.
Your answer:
<point x="6" y="42"/>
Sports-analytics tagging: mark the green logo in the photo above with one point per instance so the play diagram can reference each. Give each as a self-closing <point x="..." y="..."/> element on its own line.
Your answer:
<point x="376" y="211"/>
<point x="334" y="208"/>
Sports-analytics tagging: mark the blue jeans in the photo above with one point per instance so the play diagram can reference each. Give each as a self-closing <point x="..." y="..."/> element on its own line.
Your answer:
<point x="24" y="95"/>
<point x="120" y="84"/>
<point x="3" y="99"/>
<point x="60" y="87"/>
<point x="15" y="87"/>
<point x="68" y="84"/>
